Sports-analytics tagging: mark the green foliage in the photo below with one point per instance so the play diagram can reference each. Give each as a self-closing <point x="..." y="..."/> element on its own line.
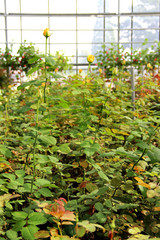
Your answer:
<point x="82" y="164"/>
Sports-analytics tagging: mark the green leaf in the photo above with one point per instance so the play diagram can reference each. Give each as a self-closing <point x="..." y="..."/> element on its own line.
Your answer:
<point x="64" y="148"/>
<point x="91" y="187"/>
<point x="80" y="231"/>
<point x="98" y="169"/>
<point x="45" y="192"/>
<point x="19" y="225"/>
<point x="37" y="218"/>
<point x="56" y="75"/>
<point x="98" y="206"/>
<point x="49" y="60"/>
<point x="154" y="154"/>
<point x="126" y="206"/>
<point x="19" y="215"/>
<point x="33" y="82"/>
<point x="101" y="218"/>
<point x="89" y="151"/>
<point x="32" y="60"/>
<point x="20" y="173"/>
<point x="32" y="70"/>
<point x="28" y="232"/>
<point x="108" y="203"/>
<point x="5" y="151"/>
<point x="12" y="235"/>
<point x="47" y="140"/>
<point x="42" y="182"/>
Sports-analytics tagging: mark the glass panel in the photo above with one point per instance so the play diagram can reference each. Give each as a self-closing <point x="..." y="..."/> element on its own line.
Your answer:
<point x="111" y="36"/>
<point x="111" y="22"/>
<point x="96" y="47"/>
<point x="36" y="6"/>
<point x="2" y="7"/>
<point x="3" y="46"/>
<point x="111" y="6"/>
<point x="90" y="36"/>
<point x="13" y="22"/>
<point x="90" y="6"/>
<point x="15" y="48"/>
<point x="34" y="23"/>
<point x="40" y="47"/>
<point x="62" y="6"/>
<point x="141" y="35"/>
<point x="2" y="34"/>
<point x="146" y="5"/>
<point x="13" y="6"/>
<point x="146" y="22"/>
<point x="125" y="22"/>
<point x="84" y="49"/>
<point x="63" y="37"/>
<point x="68" y="49"/>
<point x="125" y="6"/>
<point x="83" y="60"/>
<point x="140" y="46"/>
<point x="62" y="23"/>
<point x="90" y="23"/>
<point x="125" y="36"/>
<point x="14" y="36"/>
<point x="33" y="36"/>
<point x="2" y="24"/>
<point x="127" y="47"/>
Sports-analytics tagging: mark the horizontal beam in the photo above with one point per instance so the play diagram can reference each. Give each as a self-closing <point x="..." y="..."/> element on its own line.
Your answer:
<point x="82" y="14"/>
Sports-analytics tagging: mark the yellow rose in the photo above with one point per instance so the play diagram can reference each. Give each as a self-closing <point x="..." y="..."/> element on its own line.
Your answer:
<point x="115" y="71"/>
<point x="80" y="70"/>
<point x="100" y="70"/>
<point x="149" y="66"/>
<point x="46" y="33"/>
<point x="90" y="58"/>
<point x="123" y="62"/>
<point x="9" y="86"/>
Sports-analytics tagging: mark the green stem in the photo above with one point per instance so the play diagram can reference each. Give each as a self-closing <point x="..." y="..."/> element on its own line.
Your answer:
<point x="6" y="106"/>
<point x="89" y="68"/>
<point x="45" y="73"/>
<point x="34" y="163"/>
<point x="34" y="148"/>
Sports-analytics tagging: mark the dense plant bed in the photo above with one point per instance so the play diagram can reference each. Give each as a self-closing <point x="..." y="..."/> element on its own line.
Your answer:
<point x="77" y="162"/>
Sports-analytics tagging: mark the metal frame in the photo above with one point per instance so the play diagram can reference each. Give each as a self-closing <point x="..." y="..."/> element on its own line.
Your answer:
<point x="77" y="15"/>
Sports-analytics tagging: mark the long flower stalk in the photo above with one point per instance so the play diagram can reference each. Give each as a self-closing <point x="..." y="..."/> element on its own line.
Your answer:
<point x="45" y="73"/>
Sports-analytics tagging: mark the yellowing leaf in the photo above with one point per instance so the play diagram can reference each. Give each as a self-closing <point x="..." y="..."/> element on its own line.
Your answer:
<point x="119" y="132"/>
<point x="75" y="164"/>
<point x="42" y="234"/>
<point x="140" y="182"/>
<point x="84" y="164"/>
<point x="4" y="166"/>
<point x="156" y="208"/>
<point x="67" y="223"/>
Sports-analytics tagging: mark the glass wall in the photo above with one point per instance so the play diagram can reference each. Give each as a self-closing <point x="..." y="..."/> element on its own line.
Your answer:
<point x="79" y="27"/>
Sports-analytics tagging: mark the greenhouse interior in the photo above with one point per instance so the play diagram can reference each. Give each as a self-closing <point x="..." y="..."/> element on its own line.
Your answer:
<point x="79" y="119"/>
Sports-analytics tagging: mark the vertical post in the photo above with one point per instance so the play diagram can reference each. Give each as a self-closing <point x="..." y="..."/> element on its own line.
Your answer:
<point x="5" y="17"/>
<point x="49" y="42"/>
<point x="76" y="39"/>
<point x="20" y="20"/>
<point x="6" y="32"/>
<point x="133" y="88"/>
